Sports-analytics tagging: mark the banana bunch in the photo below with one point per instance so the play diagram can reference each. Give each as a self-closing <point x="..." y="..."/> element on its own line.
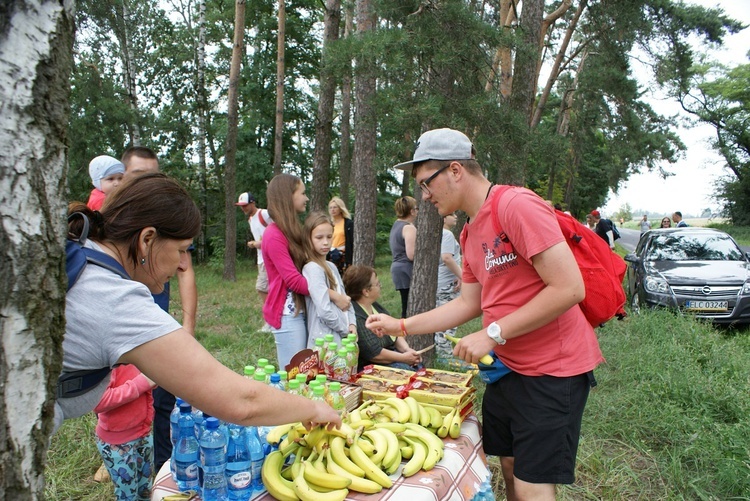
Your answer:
<point x="361" y="456"/>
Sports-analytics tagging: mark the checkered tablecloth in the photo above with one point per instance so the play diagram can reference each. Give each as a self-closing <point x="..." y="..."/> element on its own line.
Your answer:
<point x="455" y="478"/>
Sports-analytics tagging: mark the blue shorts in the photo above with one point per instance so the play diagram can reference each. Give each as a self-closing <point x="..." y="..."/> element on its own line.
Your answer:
<point x="537" y="421"/>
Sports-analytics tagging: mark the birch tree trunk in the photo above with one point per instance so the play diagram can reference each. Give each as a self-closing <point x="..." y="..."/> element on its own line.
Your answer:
<point x="365" y="124"/>
<point x="36" y="48"/>
<point x="230" y="236"/>
<point x="202" y="129"/>
<point x="279" y="132"/>
<point x="128" y="62"/>
<point x="324" y="122"/>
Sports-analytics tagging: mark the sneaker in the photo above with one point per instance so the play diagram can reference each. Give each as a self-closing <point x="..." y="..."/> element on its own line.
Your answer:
<point x="101" y="475"/>
<point x="266" y="328"/>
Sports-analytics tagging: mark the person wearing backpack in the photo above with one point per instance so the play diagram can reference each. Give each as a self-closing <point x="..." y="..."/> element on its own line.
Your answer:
<point x="526" y="284"/>
<point x="258" y="219"/>
<point x="144" y="231"/>
<point x="604" y="228"/>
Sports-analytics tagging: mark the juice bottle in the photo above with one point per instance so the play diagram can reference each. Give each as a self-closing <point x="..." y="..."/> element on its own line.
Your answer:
<point x="331" y="356"/>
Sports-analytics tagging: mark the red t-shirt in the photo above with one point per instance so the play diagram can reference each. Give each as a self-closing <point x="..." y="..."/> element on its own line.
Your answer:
<point x="567" y="346"/>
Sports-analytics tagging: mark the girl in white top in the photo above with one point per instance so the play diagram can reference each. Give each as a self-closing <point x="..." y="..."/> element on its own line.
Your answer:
<point x="323" y="316"/>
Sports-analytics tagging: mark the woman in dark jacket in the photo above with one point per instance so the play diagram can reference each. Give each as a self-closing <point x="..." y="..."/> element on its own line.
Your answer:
<point x="362" y="285"/>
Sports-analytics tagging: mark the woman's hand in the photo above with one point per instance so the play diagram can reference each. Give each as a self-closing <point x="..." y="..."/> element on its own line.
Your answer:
<point x="352" y="329"/>
<point x="325" y="416"/>
<point x="411" y="357"/>
<point x="381" y="324"/>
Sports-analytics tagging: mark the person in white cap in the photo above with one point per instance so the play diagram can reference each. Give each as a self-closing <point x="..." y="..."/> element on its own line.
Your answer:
<point x="258" y="219"/>
<point x="106" y="174"/>
<point x="525" y="283"/>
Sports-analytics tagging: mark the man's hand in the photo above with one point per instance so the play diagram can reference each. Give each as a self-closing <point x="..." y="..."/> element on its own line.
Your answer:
<point x="474" y="346"/>
<point x="381" y="324"/>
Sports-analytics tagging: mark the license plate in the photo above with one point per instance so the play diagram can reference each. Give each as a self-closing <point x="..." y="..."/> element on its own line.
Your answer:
<point x="707" y="305"/>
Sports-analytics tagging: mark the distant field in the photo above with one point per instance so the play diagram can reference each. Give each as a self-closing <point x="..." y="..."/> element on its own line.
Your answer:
<point x="694" y="221"/>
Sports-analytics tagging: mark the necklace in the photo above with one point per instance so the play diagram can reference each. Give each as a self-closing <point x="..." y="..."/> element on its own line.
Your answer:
<point x="488" y="192"/>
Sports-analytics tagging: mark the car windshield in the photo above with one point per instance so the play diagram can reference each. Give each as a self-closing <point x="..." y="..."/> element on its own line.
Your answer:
<point x="693" y="247"/>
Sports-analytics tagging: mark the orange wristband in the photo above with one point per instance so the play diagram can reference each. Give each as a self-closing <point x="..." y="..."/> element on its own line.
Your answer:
<point x="403" y="328"/>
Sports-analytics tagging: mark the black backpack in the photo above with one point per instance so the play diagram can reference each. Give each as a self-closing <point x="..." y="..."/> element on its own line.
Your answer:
<point x="75" y="383"/>
<point x="615" y="231"/>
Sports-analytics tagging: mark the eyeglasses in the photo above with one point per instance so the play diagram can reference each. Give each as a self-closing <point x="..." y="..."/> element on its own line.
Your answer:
<point x="424" y="184"/>
<point x="376" y="284"/>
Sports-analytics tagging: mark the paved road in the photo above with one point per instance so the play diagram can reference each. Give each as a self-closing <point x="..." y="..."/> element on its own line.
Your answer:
<point x="629" y="238"/>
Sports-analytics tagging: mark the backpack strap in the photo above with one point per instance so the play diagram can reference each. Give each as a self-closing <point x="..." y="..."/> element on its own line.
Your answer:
<point x="75" y="383"/>
<point x="261" y="219"/>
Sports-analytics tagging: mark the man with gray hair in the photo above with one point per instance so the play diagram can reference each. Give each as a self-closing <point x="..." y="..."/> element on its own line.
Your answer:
<point x="525" y="283"/>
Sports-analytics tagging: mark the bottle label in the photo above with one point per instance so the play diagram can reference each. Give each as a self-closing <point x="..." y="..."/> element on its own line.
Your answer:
<point x="240" y="480"/>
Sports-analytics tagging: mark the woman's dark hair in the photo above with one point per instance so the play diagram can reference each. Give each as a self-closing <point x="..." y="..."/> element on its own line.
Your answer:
<point x="356" y="279"/>
<point x="151" y="199"/>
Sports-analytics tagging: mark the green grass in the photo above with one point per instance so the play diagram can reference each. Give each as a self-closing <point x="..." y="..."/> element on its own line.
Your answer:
<point x="667" y="421"/>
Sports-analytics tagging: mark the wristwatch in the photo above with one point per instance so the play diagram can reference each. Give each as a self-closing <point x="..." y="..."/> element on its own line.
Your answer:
<point x="495" y="333"/>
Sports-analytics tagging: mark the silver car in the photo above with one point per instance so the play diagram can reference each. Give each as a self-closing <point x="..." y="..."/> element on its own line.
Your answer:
<point x="701" y="271"/>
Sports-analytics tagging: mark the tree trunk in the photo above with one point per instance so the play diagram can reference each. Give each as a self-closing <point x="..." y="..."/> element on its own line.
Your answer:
<point x="36" y="53"/>
<point x="324" y="122"/>
<point x="130" y="71"/>
<point x="423" y="289"/>
<point x="202" y="132"/>
<point x="345" y="160"/>
<point x="365" y="123"/>
<point x="230" y="236"/>
<point x="279" y="132"/>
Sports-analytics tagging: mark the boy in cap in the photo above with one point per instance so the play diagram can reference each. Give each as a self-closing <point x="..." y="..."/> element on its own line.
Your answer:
<point x="258" y="219"/>
<point x="106" y="174"/>
<point x="525" y="283"/>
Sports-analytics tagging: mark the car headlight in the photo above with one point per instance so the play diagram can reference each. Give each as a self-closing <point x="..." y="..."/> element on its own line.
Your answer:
<point x="656" y="284"/>
<point x="745" y="289"/>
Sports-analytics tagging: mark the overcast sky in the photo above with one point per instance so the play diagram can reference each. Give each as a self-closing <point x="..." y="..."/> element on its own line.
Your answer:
<point x="690" y="189"/>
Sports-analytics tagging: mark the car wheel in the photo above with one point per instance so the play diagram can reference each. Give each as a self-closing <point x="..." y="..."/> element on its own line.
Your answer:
<point x="635" y="303"/>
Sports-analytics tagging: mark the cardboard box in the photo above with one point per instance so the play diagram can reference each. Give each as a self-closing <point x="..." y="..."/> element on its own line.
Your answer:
<point x="381" y="372"/>
<point x="447" y="377"/>
<point x="449" y="395"/>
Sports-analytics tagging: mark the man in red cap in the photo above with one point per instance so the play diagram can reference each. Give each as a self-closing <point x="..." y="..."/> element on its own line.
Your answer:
<point x="603" y="228"/>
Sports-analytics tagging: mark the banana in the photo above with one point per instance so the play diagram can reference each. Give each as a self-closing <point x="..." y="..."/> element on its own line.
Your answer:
<point x="367" y="446"/>
<point x="354" y="416"/>
<point x="346" y="431"/>
<point x="390" y="412"/>
<point x="358" y="484"/>
<point x="392" y="457"/>
<point x="455" y="429"/>
<point x="380" y="443"/>
<point x="417" y="459"/>
<point x="414" y="409"/>
<point x="443" y="430"/>
<point x="338" y="454"/>
<point x="433" y="444"/>
<point x="407" y="451"/>
<point x="277" y="486"/>
<point x="436" y="419"/>
<point x="277" y="433"/>
<point x="321" y="478"/>
<point x="486" y="360"/>
<point x="306" y="493"/>
<point x="372" y="471"/>
<point x="394" y="427"/>
<point x="362" y="423"/>
<point x="424" y="417"/>
<point x="401" y="407"/>
<point x="314" y="436"/>
<point x="295" y="468"/>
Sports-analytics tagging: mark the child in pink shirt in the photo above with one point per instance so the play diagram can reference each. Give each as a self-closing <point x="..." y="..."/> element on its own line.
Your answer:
<point x="123" y="431"/>
<point x="106" y="174"/>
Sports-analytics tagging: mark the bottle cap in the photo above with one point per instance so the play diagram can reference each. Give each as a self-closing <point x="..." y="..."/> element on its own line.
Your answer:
<point x="329" y="338"/>
<point x="319" y="390"/>
<point x="333" y="347"/>
<point x="293" y="384"/>
<point x="185" y="408"/>
<point x="269" y="369"/>
<point x="275" y="378"/>
<point x="212" y="423"/>
<point x="334" y="386"/>
<point x="319" y="341"/>
<point x="259" y="376"/>
<point x="283" y="375"/>
<point x="342" y="352"/>
<point x="262" y="362"/>
<point x="321" y="378"/>
<point x="302" y="378"/>
<point x="249" y="370"/>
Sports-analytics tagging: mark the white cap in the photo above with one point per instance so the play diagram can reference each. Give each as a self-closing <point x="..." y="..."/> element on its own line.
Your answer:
<point x="439" y="144"/>
<point x="104" y="166"/>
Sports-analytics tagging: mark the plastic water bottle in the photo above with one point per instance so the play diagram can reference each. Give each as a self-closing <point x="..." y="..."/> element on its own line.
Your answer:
<point x="174" y="433"/>
<point x="185" y="452"/>
<point x="198" y="422"/>
<point x="284" y="375"/>
<point x="263" y="430"/>
<point x="276" y="382"/>
<point x="257" y="456"/>
<point x="238" y="472"/>
<point x="485" y="491"/>
<point x="213" y="446"/>
<point x="269" y="369"/>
